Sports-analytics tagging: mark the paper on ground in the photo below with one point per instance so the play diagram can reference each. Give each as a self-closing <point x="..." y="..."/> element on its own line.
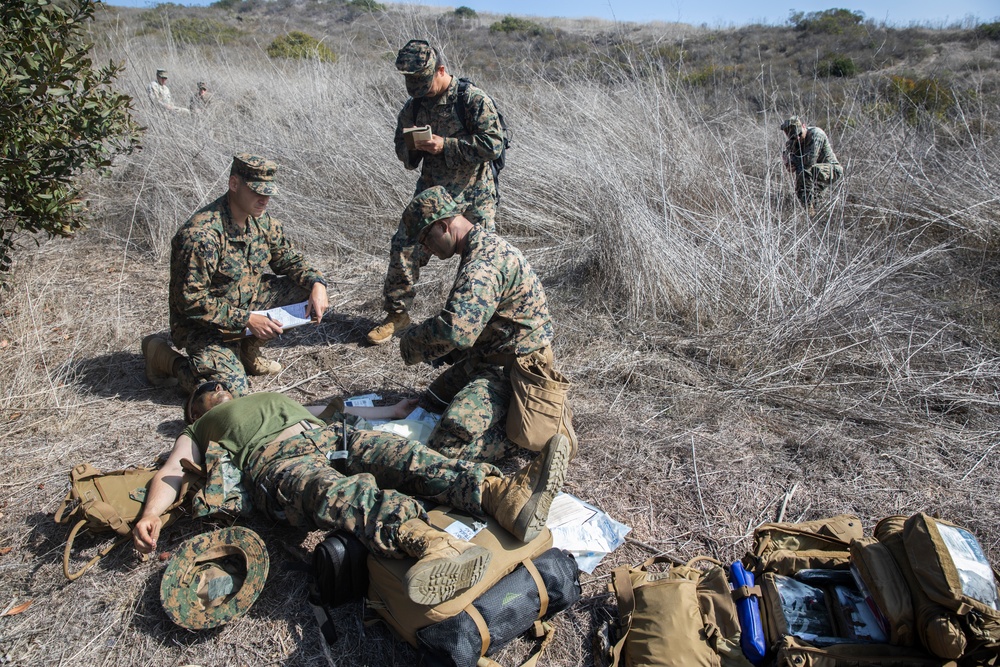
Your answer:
<point x="584" y="530"/>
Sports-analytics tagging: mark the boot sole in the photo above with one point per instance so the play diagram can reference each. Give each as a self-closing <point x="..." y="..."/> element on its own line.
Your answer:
<point x="443" y="579"/>
<point x="532" y="517"/>
<point x="155" y="379"/>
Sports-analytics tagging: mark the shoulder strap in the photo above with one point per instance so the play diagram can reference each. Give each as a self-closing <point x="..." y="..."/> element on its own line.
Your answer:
<point x="622" y="582"/>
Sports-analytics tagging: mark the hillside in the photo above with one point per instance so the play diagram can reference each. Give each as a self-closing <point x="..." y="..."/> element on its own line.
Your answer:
<point x="733" y="359"/>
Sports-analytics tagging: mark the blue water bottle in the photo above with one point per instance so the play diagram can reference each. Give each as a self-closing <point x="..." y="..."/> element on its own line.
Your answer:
<point x="748" y="611"/>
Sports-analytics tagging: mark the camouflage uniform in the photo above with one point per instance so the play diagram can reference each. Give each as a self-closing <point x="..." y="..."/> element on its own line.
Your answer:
<point x="463" y="167"/>
<point x="812" y="159"/>
<point x="496" y="311"/>
<point x="216" y="278"/>
<point x="295" y="481"/>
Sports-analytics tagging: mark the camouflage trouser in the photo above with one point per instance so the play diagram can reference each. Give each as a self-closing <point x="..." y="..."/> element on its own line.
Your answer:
<point x="405" y="260"/>
<point x="209" y="357"/>
<point x="811" y="183"/>
<point x="294" y="482"/>
<point x="473" y="426"/>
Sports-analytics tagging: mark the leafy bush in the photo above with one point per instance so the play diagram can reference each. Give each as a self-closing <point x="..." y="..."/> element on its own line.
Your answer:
<point x="59" y="117"/>
<point x="913" y="95"/>
<point x="828" y="21"/>
<point x="367" y="5"/>
<point x="297" y="44"/>
<point x="989" y="31"/>
<point x="203" y="31"/>
<point x="513" y="24"/>
<point x="464" y="12"/>
<point x="839" y="66"/>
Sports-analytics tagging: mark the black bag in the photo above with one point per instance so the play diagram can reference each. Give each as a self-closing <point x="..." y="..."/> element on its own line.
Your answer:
<point x="507" y="610"/>
<point x="340" y="573"/>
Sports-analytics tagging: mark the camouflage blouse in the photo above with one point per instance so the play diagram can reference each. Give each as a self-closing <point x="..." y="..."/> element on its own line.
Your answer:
<point x="216" y="269"/>
<point x="496" y="306"/>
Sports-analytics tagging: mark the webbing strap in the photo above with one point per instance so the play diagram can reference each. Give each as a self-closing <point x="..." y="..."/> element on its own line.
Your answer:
<point x="626" y="605"/>
<point x="484" y="630"/>
<point x="746" y="592"/>
<point x="543" y="593"/>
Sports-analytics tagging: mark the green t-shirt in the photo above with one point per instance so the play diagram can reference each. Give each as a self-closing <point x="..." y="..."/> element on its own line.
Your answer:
<point x="244" y="424"/>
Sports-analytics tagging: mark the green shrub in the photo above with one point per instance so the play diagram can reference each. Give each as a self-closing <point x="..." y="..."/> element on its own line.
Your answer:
<point x="513" y="24"/>
<point x="838" y="66"/>
<point x="59" y="117"/>
<point x="911" y="96"/>
<point x="464" y="12"/>
<point x="366" y="5"/>
<point x="203" y="31"/>
<point x="828" y="21"/>
<point x="297" y="44"/>
<point x="989" y="31"/>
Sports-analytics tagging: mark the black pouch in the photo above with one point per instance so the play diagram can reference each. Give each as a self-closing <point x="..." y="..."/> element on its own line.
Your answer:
<point x="340" y="567"/>
<point x="508" y="609"/>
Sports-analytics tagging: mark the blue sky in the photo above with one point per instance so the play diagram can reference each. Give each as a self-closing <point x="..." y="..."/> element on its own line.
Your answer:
<point x="722" y="13"/>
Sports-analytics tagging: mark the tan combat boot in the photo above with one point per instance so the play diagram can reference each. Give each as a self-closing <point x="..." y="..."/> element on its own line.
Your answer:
<point x="393" y="324"/>
<point x="253" y="362"/>
<point x="446" y="567"/>
<point x="160" y="360"/>
<point x="521" y="502"/>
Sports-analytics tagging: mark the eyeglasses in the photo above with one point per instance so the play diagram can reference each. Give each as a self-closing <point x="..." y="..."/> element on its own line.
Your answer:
<point x="208" y="387"/>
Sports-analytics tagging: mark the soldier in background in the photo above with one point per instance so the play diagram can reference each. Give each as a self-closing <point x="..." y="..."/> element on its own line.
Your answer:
<point x="217" y="277"/>
<point x="810" y="157"/>
<point x="159" y="93"/>
<point x="457" y="156"/>
<point x="342" y="476"/>
<point x="496" y="312"/>
<point x="201" y="99"/>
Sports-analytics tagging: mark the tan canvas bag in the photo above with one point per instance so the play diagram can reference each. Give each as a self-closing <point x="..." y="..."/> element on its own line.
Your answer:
<point x="786" y="548"/>
<point x="538" y="408"/>
<point x="878" y="569"/>
<point x="684" y="617"/>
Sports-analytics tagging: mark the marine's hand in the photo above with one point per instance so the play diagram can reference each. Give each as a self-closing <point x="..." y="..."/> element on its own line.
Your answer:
<point x="263" y="327"/>
<point x="434" y="145"/>
<point x="318" y="302"/>
<point x="145" y="533"/>
<point x="402" y="409"/>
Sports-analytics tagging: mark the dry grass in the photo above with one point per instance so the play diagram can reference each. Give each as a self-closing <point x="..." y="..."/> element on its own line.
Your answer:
<point x="730" y="356"/>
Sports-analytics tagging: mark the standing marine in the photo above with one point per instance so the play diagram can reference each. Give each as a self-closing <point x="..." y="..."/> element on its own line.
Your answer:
<point x="218" y="264"/>
<point x="810" y="157"/>
<point x="466" y="137"/>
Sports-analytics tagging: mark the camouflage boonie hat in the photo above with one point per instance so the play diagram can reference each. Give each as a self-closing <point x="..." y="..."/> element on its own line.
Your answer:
<point x="792" y="127"/>
<point x="202" y="85"/>
<point x="426" y="208"/>
<point x="258" y="173"/>
<point x="161" y="74"/>
<point x="417" y="62"/>
<point x="214" y="577"/>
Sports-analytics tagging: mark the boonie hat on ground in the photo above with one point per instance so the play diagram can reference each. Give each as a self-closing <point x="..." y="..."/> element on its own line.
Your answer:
<point x="426" y="208"/>
<point x="417" y="62"/>
<point x="258" y="172"/>
<point x="161" y="74"/>
<point x="214" y="578"/>
<point x="792" y="126"/>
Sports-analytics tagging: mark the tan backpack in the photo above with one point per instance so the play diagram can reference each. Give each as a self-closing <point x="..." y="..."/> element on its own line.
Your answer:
<point x="105" y="502"/>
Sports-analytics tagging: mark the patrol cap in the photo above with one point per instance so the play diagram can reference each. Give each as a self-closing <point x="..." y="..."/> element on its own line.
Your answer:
<point x="426" y="208"/>
<point x="258" y="173"/>
<point x="214" y="578"/>
<point x="792" y="127"/>
<point x="417" y="62"/>
<point x="202" y="85"/>
<point x="161" y="74"/>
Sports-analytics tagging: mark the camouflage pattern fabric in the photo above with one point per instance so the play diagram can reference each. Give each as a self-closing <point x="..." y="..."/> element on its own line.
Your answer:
<point x="815" y="165"/>
<point x="214" y="578"/>
<point x="473" y="399"/>
<point x="496" y="310"/>
<point x="294" y="481"/>
<point x="463" y="168"/>
<point x="217" y="277"/>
